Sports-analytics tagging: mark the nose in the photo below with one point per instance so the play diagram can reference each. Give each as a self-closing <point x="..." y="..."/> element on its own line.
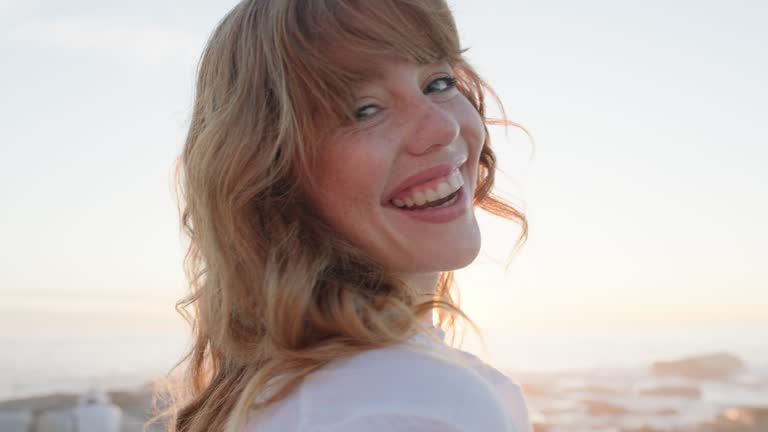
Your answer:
<point x="431" y="126"/>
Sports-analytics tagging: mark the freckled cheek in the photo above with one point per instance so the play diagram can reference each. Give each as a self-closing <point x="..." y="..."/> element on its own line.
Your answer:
<point x="469" y="120"/>
<point x="368" y="182"/>
<point x="472" y="128"/>
<point x="355" y="181"/>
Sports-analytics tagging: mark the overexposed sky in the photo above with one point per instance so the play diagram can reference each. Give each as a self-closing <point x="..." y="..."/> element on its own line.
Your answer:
<point x="647" y="195"/>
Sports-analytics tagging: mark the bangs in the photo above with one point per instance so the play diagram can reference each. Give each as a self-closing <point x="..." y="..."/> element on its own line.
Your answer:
<point x="332" y="45"/>
<point x="354" y="33"/>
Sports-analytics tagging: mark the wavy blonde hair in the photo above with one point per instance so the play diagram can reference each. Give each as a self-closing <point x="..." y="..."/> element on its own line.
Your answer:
<point x="274" y="292"/>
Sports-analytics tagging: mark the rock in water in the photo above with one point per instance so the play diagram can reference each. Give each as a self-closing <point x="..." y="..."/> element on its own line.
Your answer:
<point x="672" y="391"/>
<point x="716" y="366"/>
<point x="745" y="418"/>
<point x="597" y="407"/>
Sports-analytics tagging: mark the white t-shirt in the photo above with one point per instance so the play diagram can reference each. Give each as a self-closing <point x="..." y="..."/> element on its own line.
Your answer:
<point x="400" y="389"/>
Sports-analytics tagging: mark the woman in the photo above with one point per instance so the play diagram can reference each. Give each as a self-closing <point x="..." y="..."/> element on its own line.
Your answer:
<point x="336" y="152"/>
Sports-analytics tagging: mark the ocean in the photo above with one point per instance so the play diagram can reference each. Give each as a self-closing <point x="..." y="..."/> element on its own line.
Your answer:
<point x="40" y="362"/>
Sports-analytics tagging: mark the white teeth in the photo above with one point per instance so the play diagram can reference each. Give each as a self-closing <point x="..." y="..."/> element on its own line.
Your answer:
<point x="419" y="198"/>
<point x="444" y="189"/>
<point x="456" y="180"/>
<point x="451" y="184"/>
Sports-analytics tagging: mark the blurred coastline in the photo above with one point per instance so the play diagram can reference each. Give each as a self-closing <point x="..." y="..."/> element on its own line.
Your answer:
<point x="710" y="392"/>
<point x="609" y="380"/>
<point x="714" y="392"/>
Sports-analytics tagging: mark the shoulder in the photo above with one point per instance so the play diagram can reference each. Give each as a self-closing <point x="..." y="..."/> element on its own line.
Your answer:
<point x="404" y="385"/>
<point x="399" y="389"/>
<point x="508" y="390"/>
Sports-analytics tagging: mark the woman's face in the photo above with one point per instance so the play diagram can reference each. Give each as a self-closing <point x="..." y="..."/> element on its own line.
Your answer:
<point x="416" y="140"/>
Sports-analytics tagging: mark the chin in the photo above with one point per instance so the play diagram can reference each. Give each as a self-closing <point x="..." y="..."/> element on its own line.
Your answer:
<point x="448" y="258"/>
<point x="462" y="260"/>
<point x="463" y="253"/>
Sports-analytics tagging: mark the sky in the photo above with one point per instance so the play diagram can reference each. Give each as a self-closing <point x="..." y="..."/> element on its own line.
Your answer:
<point x="645" y="186"/>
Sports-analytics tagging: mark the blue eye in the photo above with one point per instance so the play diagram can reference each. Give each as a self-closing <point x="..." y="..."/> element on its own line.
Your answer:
<point x="365" y="111"/>
<point x="441" y="84"/>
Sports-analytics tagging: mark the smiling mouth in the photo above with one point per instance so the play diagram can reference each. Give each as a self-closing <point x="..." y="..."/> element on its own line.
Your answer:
<point x="448" y="199"/>
<point x="430" y="194"/>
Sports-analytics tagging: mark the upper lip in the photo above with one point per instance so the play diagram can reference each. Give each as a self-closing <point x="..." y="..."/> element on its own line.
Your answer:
<point x="439" y="170"/>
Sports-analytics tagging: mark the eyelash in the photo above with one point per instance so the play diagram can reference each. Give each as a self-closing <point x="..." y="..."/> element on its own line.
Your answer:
<point x="450" y="83"/>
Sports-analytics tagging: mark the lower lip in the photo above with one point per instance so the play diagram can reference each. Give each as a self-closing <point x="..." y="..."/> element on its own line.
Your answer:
<point x="442" y="214"/>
